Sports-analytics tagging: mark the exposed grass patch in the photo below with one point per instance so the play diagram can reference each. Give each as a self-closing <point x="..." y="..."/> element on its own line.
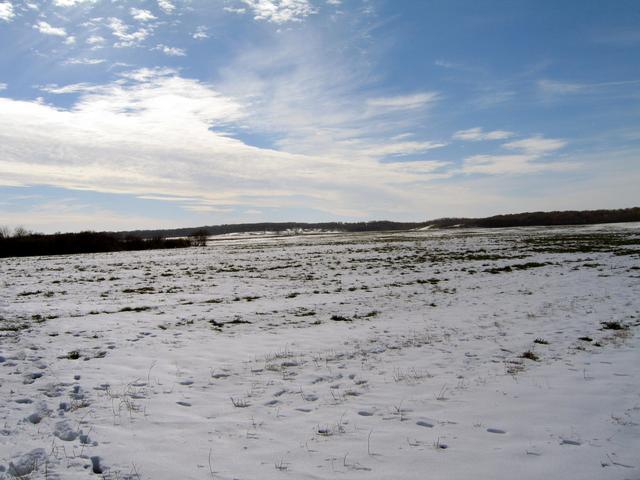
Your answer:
<point x="135" y="309"/>
<point x="247" y="298"/>
<point x="239" y="402"/>
<point x="530" y="355"/>
<point x="139" y="290"/>
<point x="517" y="266"/>
<point x="238" y="321"/>
<point x="613" y="325"/>
<point x="29" y="293"/>
<point x="9" y="326"/>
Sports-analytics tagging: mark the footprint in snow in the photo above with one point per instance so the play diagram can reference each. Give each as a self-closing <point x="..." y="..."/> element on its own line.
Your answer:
<point x="25" y="464"/>
<point x="566" y="441"/>
<point x="65" y="431"/>
<point x="34" y="418"/>
<point x="96" y="466"/>
<point x="365" y="413"/>
<point x="184" y="404"/>
<point x="423" y="423"/>
<point x="496" y="430"/>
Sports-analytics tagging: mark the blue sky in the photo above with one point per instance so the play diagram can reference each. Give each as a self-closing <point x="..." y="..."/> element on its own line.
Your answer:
<point x="118" y="114"/>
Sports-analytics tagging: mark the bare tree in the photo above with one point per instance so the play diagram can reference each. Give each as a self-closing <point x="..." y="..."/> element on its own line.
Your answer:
<point x="21" y="232"/>
<point x="199" y="238"/>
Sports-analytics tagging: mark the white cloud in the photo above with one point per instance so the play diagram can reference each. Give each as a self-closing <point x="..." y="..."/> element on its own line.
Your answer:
<point x="71" y="3"/>
<point x="69" y="215"/>
<point x="203" y="208"/>
<point x="530" y="158"/>
<point x="95" y="40"/>
<point x="280" y="11"/>
<point x="477" y="134"/>
<point x="143" y="75"/>
<point x="6" y="11"/>
<point x="71" y="88"/>
<point x="235" y="10"/>
<point x="512" y="165"/>
<point x="489" y="98"/>
<point x="421" y="167"/>
<point x="145" y="117"/>
<point x="170" y="51"/>
<point x="401" y="148"/>
<point x="498" y="135"/>
<point x="142" y="15"/>
<point x="552" y="88"/>
<point x="85" y="61"/>
<point x="334" y="2"/>
<point x="306" y="92"/>
<point x="3" y="86"/>
<point x="404" y="102"/>
<point x="44" y="27"/>
<point x="120" y="30"/>
<point x="153" y="132"/>
<point x="445" y="64"/>
<point x="200" y="33"/>
<point x="166" y="6"/>
<point x="536" y="145"/>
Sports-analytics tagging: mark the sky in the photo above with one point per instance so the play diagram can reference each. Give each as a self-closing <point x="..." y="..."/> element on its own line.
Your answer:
<point x="120" y="115"/>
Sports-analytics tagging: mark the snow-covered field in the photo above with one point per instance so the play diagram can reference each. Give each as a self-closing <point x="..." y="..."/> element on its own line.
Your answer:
<point x="364" y="356"/>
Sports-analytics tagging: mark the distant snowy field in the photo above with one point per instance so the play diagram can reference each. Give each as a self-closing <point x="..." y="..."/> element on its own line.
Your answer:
<point x="412" y="355"/>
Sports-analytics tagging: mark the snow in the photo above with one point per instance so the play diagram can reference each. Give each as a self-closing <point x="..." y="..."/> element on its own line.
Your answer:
<point x="352" y="356"/>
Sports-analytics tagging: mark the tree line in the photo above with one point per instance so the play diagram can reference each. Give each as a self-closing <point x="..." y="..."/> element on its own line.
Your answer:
<point x="536" y="219"/>
<point x="527" y="219"/>
<point x="22" y="243"/>
<point x="280" y="227"/>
